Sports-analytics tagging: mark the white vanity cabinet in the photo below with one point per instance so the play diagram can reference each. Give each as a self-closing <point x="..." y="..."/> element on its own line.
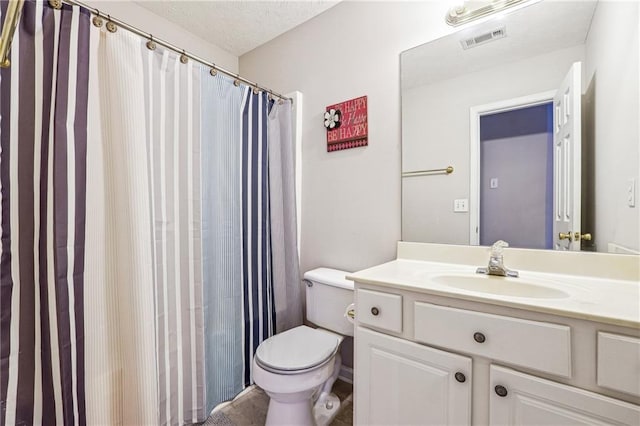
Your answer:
<point x="515" y="367"/>
<point x="404" y="383"/>
<point x="523" y="399"/>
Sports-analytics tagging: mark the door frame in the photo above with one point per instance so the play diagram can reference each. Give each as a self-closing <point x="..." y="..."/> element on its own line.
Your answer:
<point x="475" y="112"/>
<point x="297" y="103"/>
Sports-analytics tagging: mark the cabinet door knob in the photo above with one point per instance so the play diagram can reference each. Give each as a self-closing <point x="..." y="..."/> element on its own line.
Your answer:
<point x="479" y="337"/>
<point x="375" y="311"/>
<point x="460" y="377"/>
<point x="501" y="391"/>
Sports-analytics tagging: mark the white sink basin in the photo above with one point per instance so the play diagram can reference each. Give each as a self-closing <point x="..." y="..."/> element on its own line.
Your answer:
<point x="501" y="286"/>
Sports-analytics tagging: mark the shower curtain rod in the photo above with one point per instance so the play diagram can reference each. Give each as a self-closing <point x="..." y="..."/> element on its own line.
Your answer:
<point x="57" y="4"/>
<point x="14" y="9"/>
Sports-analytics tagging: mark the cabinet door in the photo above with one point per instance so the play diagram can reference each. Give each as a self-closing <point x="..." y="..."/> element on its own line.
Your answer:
<point x="529" y="400"/>
<point x="399" y="382"/>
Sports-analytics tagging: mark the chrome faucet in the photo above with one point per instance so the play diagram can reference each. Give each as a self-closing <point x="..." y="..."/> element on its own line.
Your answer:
<point x="496" y="265"/>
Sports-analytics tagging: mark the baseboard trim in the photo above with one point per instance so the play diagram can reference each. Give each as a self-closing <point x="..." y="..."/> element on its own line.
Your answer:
<point x="346" y="374"/>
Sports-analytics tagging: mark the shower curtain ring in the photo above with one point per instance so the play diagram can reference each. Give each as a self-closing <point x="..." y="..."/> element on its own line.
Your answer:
<point x="151" y="45"/>
<point x="184" y="58"/>
<point x="97" y="20"/>
<point x="213" y="71"/>
<point x="56" y="4"/>
<point x="255" y="90"/>
<point x="236" y="82"/>
<point x="111" y="26"/>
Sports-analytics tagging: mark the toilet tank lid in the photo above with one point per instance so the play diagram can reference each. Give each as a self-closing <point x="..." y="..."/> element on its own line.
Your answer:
<point x="328" y="276"/>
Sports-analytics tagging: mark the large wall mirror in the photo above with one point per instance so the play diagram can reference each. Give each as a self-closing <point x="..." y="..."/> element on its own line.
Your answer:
<point x="525" y="128"/>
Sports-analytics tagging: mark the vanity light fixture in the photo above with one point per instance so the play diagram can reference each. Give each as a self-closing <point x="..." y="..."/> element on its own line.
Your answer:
<point x="466" y="12"/>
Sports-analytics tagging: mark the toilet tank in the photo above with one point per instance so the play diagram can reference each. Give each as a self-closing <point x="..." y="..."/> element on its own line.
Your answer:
<point x="328" y="294"/>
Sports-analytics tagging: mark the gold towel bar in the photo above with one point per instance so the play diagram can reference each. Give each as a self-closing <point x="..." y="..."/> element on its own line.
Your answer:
<point x="14" y="9"/>
<point x="447" y="171"/>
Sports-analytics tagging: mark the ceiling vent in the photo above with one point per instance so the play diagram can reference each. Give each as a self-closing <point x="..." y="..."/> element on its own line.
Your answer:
<point x="484" y="38"/>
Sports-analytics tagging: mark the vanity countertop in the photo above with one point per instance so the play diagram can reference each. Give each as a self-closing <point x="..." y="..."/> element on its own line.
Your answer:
<point x="606" y="300"/>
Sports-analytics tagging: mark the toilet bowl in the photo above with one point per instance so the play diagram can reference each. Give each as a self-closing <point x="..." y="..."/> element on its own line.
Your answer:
<point x="293" y="368"/>
<point x="297" y="368"/>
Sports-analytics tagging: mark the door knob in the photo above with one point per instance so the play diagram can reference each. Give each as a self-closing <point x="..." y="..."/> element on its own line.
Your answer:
<point x="567" y="236"/>
<point x="578" y="236"/>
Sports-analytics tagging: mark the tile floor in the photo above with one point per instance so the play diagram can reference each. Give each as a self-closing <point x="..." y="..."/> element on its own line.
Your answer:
<point x="251" y="408"/>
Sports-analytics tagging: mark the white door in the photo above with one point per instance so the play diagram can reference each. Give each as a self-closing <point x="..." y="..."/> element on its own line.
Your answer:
<point x="403" y="383"/>
<point x="567" y="135"/>
<point x="520" y="399"/>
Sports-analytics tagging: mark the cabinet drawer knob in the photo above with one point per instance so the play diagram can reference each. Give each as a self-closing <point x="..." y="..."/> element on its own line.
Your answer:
<point x="501" y="391"/>
<point x="460" y="377"/>
<point x="375" y="311"/>
<point x="479" y="337"/>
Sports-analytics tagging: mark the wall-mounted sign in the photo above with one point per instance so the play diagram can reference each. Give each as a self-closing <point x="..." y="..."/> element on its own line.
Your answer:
<point x="352" y="129"/>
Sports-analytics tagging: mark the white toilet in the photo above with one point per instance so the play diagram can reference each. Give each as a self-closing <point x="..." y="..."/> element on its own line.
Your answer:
<point x="297" y="368"/>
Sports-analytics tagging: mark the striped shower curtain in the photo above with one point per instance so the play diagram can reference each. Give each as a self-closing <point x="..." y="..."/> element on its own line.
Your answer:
<point x="138" y="238"/>
<point x="236" y="223"/>
<point x="208" y="179"/>
<point x="258" y="304"/>
<point x="222" y="231"/>
<point x="172" y="105"/>
<point x="44" y="136"/>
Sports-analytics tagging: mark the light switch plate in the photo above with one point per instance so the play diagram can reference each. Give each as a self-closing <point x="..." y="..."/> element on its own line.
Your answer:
<point x="493" y="183"/>
<point x="461" y="205"/>
<point x="631" y="193"/>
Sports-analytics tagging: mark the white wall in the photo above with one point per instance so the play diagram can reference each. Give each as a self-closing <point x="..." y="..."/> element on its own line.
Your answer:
<point x="145" y="20"/>
<point x="351" y="198"/>
<point x="612" y="55"/>
<point x="436" y="134"/>
<point x="515" y="211"/>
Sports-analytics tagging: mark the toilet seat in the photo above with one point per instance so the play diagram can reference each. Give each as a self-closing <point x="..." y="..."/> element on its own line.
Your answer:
<point x="297" y="350"/>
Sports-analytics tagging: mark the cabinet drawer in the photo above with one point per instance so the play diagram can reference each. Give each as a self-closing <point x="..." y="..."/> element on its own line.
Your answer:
<point x="532" y="344"/>
<point x="619" y="363"/>
<point x="378" y="309"/>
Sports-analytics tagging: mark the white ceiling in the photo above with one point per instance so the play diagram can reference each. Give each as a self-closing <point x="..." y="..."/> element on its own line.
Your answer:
<point x="539" y="28"/>
<point x="237" y="26"/>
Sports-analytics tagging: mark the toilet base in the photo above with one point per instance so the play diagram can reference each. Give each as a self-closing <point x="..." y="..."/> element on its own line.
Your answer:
<point x="300" y="413"/>
<point x="323" y="414"/>
<point x="289" y="413"/>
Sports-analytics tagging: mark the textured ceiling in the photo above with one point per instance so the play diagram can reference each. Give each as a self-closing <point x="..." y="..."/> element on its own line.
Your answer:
<point x="238" y="26"/>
